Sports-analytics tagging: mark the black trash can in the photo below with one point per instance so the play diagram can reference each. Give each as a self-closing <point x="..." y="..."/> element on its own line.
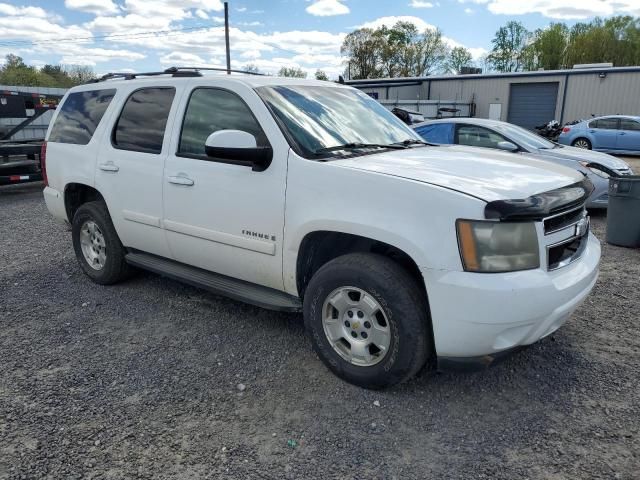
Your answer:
<point x="623" y="213"/>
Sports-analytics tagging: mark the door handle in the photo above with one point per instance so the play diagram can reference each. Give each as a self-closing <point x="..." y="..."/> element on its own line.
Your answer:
<point x="181" y="180"/>
<point x="109" y="167"/>
<point x="622" y="133"/>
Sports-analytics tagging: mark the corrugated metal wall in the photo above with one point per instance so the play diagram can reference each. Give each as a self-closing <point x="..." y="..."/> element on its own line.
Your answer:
<point x="38" y="128"/>
<point x="488" y="91"/>
<point x="587" y="93"/>
<point x="617" y="93"/>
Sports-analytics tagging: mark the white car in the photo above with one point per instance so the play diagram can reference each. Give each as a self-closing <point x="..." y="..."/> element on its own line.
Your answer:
<point x="307" y="195"/>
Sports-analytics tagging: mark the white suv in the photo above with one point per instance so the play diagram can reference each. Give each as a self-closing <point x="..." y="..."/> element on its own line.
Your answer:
<point x="307" y="195"/>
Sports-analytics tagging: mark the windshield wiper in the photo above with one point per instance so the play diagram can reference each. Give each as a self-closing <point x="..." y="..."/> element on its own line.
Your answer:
<point x="357" y="146"/>
<point x="413" y="141"/>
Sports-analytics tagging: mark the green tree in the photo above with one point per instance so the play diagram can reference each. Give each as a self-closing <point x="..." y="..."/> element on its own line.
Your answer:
<point x="292" y="72"/>
<point x="548" y="48"/>
<point x="431" y="53"/>
<point x="16" y="72"/>
<point x="458" y="58"/>
<point x="362" y="47"/>
<point x="615" y="40"/>
<point x="508" y="47"/>
<point x="320" y="75"/>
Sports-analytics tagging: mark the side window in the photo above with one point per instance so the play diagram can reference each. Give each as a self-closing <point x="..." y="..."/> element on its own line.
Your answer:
<point x="437" y="133"/>
<point x="210" y="110"/>
<point x="80" y="115"/>
<point x="606" y="124"/>
<point x="143" y="120"/>
<point x="628" y="124"/>
<point x="593" y="124"/>
<point x="475" y="136"/>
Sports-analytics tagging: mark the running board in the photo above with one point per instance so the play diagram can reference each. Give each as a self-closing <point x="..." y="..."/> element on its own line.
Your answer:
<point x="214" y="282"/>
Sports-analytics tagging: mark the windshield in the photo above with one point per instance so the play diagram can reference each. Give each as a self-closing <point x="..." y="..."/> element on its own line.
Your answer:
<point x="319" y="118"/>
<point x="523" y="137"/>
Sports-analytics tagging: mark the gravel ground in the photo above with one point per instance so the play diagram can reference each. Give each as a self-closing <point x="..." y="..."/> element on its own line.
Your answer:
<point x="140" y="380"/>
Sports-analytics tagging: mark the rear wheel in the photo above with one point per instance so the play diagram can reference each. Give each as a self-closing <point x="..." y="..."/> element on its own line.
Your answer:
<point x="97" y="246"/>
<point x="368" y="320"/>
<point x="582" y="143"/>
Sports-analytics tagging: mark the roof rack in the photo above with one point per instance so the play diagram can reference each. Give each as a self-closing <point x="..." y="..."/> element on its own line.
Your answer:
<point x="173" y="71"/>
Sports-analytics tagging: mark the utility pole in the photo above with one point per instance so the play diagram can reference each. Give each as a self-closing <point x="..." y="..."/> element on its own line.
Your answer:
<point x="226" y="36"/>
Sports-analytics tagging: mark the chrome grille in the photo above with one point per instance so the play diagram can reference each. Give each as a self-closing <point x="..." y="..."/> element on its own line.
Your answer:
<point x="564" y="220"/>
<point x="568" y="235"/>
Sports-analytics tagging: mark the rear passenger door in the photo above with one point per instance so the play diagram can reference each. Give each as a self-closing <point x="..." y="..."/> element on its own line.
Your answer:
<point x="604" y="133"/>
<point x="130" y="166"/>
<point x="629" y="135"/>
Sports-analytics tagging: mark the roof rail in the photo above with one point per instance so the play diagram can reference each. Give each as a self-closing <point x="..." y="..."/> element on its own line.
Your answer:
<point x="214" y="69"/>
<point x="173" y="71"/>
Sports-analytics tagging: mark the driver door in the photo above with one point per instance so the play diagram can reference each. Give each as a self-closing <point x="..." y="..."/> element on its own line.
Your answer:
<point x="221" y="216"/>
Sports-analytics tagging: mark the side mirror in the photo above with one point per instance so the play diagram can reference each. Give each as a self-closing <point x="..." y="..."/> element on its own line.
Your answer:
<point x="508" y="146"/>
<point x="238" y="147"/>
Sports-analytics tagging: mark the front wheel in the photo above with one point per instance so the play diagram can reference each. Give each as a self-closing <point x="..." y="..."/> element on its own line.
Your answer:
<point x="582" y="143"/>
<point x="368" y="320"/>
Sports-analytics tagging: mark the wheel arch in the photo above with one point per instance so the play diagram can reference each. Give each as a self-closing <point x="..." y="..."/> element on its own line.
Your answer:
<point x="321" y="246"/>
<point x="76" y="194"/>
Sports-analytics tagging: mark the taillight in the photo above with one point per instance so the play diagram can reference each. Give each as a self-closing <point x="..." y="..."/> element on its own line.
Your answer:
<point x="43" y="163"/>
<point x="566" y="130"/>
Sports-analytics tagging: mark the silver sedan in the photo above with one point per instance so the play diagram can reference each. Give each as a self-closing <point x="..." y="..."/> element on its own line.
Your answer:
<point x="485" y="133"/>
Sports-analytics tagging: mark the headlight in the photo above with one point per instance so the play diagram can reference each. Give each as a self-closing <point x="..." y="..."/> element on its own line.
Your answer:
<point x="491" y="247"/>
<point x="593" y="169"/>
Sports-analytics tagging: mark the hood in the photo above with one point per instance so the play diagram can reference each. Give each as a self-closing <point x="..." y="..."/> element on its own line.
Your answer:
<point x="484" y="173"/>
<point x="582" y="155"/>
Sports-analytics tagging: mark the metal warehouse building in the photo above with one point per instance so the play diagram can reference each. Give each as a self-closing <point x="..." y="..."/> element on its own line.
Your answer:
<point x="524" y="98"/>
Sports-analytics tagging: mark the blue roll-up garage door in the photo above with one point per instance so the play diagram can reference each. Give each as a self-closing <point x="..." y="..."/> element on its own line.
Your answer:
<point x="532" y="104"/>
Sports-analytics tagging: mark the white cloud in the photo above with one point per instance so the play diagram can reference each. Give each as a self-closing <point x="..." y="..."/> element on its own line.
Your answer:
<point x="97" y="7"/>
<point x="565" y="9"/>
<point x="420" y="4"/>
<point x="202" y="14"/>
<point x="468" y="11"/>
<point x="184" y="58"/>
<point x="92" y="56"/>
<point x="327" y="8"/>
<point x="390" y="21"/>
<point x="241" y="9"/>
<point x="13" y="11"/>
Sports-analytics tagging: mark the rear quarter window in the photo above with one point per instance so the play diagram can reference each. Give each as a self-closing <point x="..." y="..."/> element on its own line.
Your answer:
<point x="80" y="115"/>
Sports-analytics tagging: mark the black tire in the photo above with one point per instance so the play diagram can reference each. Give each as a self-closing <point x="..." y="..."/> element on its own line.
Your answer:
<point x="115" y="268"/>
<point x="581" y="139"/>
<point x="404" y="304"/>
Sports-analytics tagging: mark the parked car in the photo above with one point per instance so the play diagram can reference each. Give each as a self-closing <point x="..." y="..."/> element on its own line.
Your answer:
<point x="306" y="195"/>
<point x="479" y="132"/>
<point x="613" y="134"/>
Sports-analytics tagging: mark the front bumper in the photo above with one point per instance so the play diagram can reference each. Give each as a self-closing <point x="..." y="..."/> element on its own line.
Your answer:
<point x="478" y="315"/>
